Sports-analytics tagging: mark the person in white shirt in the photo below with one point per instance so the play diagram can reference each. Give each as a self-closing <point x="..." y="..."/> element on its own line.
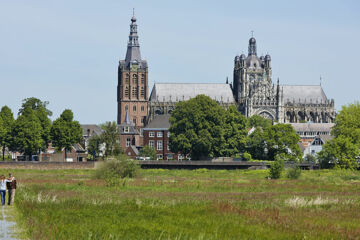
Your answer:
<point x="3" y="182"/>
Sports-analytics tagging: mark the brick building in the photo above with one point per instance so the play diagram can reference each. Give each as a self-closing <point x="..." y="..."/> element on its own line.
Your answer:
<point x="156" y="134"/>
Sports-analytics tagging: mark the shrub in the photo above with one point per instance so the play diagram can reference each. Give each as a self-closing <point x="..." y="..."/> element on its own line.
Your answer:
<point x="276" y="167"/>
<point x="310" y="158"/>
<point x="113" y="170"/>
<point x="294" y="172"/>
<point x="247" y="156"/>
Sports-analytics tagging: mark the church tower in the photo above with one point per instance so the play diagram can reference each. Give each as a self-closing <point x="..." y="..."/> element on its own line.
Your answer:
<point x="132" y="89"/>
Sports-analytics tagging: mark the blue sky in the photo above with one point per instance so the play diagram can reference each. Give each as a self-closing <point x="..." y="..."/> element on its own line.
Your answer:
<point x="67" y="52"/>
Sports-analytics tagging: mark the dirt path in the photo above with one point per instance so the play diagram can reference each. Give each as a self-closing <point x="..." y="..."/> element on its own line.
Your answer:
<point x="6" y="224"/>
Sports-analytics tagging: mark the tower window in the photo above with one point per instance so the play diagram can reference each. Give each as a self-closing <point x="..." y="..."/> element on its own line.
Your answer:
<point x="135" y="79"/>
<point x="127" y="77"/>
<point x="142" y="108"/>
<point x="134" y="91"/>
<point x="134" y="108"/>
<point x="142" y="91"/>
<point x="142" y="78"/>
<point x="126" y="91"/>
<point x="134" y="120"/>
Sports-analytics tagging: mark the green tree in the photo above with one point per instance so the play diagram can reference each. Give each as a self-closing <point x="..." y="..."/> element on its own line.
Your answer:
<point x="197" y="128"/>
<point x="27" y="133"/>
<point x="340" y="151"/>
<point x="41" y="111"/>
<point x="347" y="123"/>
<point x="94" y="145"/>
<point x="111" y="138"/>
<point x="277" y="167"/>
<point x="65" y="131"/>
<point x="255" y="144"/>
<point x="343" y="150"/>
<point x="282" y="139"/>
<point x="235" y="133"/>
<point x="7" y="118"/>
<point x="258" y="121"/>
<point x="148" y="151"/>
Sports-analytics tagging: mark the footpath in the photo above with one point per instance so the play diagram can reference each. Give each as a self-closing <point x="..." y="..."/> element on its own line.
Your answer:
<point x="7" y="225"/>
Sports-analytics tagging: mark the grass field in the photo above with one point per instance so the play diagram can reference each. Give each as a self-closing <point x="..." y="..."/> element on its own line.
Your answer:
<point x="185" y="204"/>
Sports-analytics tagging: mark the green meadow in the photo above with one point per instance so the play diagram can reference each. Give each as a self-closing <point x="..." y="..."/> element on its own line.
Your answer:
<point x="188" y="204"/>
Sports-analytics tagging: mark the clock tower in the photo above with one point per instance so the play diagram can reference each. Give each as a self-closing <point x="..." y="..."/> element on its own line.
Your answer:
<point x="132" y="89"/>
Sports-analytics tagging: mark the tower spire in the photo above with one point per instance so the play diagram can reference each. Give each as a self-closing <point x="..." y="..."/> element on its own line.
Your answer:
<point x="133" y="48"/>
<point x="252" y="45"/>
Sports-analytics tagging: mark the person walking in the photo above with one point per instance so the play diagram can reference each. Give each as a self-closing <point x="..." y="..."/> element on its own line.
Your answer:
<point x="11" y="186"/>
<point x="3" y="182"/>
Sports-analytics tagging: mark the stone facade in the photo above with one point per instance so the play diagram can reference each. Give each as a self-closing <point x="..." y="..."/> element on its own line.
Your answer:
<point x="256" y="94"/>
<point x="132" y="90"/>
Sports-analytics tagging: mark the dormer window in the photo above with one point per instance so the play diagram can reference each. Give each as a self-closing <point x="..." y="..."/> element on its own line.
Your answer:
<point x="126" y="129"/>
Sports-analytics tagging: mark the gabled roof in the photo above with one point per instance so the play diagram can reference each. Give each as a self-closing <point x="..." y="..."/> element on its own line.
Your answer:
<point x="159" y="122"/>
<point x="304" y="93"/>
<point x="174" y="92"/>
<point x="91" y="129"/>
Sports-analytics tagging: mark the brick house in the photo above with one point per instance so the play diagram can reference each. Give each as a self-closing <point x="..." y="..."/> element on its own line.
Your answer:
<point x="156" y="134"/>
<point x="129" y="137"/>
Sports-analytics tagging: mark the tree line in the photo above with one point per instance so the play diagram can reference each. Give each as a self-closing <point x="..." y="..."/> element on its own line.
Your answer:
<point x="32" y="131"/>
<point x="202" y="128"/>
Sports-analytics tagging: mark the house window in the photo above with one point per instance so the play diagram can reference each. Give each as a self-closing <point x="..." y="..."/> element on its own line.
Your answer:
<point x="151" y="134"/>
<point x="159" y="157"/>
<point x="159" y="145"/>
<point x="126" y="129"/>
<point x="128" y="141"/>
<point x="168" y="146"/>
<point x="134" y="108"/>
<point x="142" y="78"/>
<point x="170" y="156"/>
<point x="168" y="134"/>
<point x="159" y="134"/>
<point x="142" y="108"/>
<point x="151" y="143"/>
<point x="135" y="79"/>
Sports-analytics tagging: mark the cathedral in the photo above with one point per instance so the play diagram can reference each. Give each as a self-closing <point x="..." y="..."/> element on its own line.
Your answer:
<point x="252" y="91"/>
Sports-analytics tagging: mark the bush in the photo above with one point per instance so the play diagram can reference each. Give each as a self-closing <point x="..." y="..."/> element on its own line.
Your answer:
<point x="247" y="156"/>
<point x="294" y="173"/>
<point x="113" y="170"/>
<point x="276" y="167"/>
<point x="310" y="158"/>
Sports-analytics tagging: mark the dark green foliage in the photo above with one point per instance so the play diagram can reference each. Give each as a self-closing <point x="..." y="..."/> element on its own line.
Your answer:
<point x="148" y="151"/>
<point x="294" y="172"/>
<point x="277" y="167"/>
<point x="65" y="131"/>
<point x="94" y="146"/>
<point x="202" y="128"/>
<point x="282" y="139"/>
<point x="256" y="144"/>
<point x="343" y="150"/>
<point x="41" y="111"/>
<point x="114" y="169"/>
<point x="27" y="132"/>
<point x="247" y="156"/>
<point x="258" y="121"/>
<point x="196" y="128"/>
<point x="110" y="137"/>
<point x="6" y="125"/>
<point x="310" y="158"/>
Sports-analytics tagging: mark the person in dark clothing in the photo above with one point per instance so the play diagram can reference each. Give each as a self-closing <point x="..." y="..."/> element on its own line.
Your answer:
<point x="11" y="186"/>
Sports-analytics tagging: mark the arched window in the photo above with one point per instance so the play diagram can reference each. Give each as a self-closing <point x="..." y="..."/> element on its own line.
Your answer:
<point x="127" y="77"/>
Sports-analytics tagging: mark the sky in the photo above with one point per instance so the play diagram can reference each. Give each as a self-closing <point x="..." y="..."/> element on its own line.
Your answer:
<point x="67" y="52"/>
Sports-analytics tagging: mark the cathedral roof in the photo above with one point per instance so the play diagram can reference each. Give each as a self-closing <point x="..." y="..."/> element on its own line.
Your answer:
<point x="174" y="92"/>
<point x="304" y="93"/>
<point x="312" y="127"/>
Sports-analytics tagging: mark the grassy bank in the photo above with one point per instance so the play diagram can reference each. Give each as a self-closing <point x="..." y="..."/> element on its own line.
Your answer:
<point x="184" y="204"/>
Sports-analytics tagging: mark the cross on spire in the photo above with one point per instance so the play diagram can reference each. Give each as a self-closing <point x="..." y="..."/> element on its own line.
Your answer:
<point x="252" y="33"/>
